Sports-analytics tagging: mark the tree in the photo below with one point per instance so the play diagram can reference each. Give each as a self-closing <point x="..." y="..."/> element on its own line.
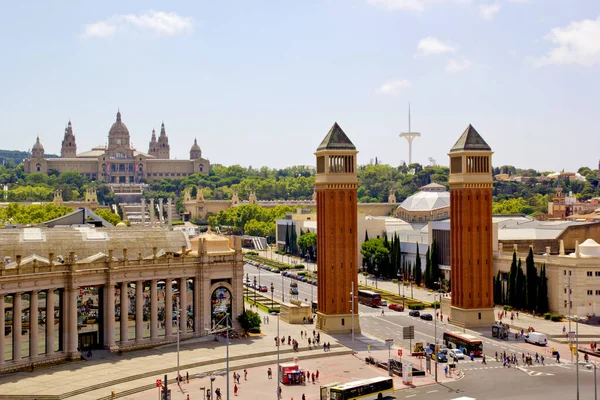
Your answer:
<point x="427" y="277"/>
<point x="498" y="295"/>
<point x="512" y="281"/>
<point x="307" y="243"/>
<point x="542" y="303"/>
<point x="249" y="320"/>
<point x="31" y="214"/>
<point x="418" y="271"/>
<point x="293" y="240"/>
<point x="108" y="215"/>
<point x="366" y="235"/>
<point x="520" y="297"/>
<point x="532" y="282"/>
<point x="259" y="228"/>
<point x="435" y="267"/>
<point x="375" y="252"/>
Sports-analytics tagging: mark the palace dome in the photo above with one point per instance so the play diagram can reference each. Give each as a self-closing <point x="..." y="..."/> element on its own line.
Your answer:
<point x="37" y="145"/>
<point x="118" y="128"/>
<point x="195" y="146"/>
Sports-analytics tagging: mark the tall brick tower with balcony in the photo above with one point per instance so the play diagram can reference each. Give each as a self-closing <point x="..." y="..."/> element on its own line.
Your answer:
<point x="336" y="184"/>
<point x="471" y="272"/>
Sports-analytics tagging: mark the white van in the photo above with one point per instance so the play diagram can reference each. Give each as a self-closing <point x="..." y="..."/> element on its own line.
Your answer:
<point x="536" y="338"/>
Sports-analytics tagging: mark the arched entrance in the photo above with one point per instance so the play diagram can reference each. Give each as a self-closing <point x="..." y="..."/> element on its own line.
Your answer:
<point x="220" y="305"/>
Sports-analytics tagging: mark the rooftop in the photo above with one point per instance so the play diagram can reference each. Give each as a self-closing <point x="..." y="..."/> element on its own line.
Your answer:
<point x="470" y="140"/>
<point x="336" y="139"/>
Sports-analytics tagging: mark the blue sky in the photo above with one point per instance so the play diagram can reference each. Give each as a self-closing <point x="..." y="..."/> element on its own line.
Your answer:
<point x="261" y="82"/>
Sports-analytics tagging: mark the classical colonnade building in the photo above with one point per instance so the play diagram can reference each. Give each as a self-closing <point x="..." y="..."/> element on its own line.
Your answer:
<point x="65" y="290"/>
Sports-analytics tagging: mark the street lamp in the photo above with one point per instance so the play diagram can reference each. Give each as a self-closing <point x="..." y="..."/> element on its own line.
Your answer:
<point x="376" y="275"/>
<point x="272" y="290"/>
<point x="282" y="292"/>
<point x="254" y="291"/>
<point x="401" y="279"/>
<point x="352" y="297"/>
<point x="278" y="346"/>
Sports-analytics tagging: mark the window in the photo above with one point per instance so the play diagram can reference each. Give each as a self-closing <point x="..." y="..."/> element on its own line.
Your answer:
<point x="565" y="290"/>
<point x="589" y="273"/>
<point x="590" y="292"/>
<point x="597" y="273"/>
<point x="569" y="273"/>
<point x="565" y="272"/>
<point x="597" y="292"/>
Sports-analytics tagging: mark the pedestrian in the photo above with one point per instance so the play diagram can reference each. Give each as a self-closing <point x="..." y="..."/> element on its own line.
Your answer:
<point x="472" y="355"/>
<point x="523" y="357"/>
<point x="188" y="397"/>
<point x="382" y="313"/>
<point x="245" y="375"/>
<point x="558" y="357"/>
<point x="446" y="370"/>
<point x="235" y="390"/>
<point x="312" y="376"/>
<point x="302" y="334"/>
<point x="496" y="357"/>
<point x="317" y="375"/>
<point x="207" y="394"/>
<point x="537" y="357"/>
<point x="542" y="360"/>
<point x="303" y="396"/>
<point x="518" y="314"/>
<point x="187" y="376"/>
<point x="269" y="373"/>
<point x="483" y="360"/>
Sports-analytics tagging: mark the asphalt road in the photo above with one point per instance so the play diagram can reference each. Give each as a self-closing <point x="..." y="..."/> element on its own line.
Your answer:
<point x="491" y="381"/>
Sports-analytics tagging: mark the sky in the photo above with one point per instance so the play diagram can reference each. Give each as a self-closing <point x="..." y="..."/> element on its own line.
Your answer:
<point x="261" y="82"/>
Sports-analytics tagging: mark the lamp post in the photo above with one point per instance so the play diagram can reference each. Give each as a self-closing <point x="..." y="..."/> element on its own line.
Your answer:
<point x="376" y="275"/>
<point x="352" y="297"/>
<point x="282" y="292"/>
<point x="254" y="291"/>
<point x="278" y="346"/>
<point x="178" y="318"/>
<point x="272" y="290"/>
<point x="401" y="281"/>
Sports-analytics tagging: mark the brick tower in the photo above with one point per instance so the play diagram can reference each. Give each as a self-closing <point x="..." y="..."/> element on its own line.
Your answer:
<point x="336" y="184"/>
<point x="471" y="269"/>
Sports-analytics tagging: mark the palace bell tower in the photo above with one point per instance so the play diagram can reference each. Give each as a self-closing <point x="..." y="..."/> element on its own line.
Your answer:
<point x="336" y="185"/>
<point x="471" y="270"/>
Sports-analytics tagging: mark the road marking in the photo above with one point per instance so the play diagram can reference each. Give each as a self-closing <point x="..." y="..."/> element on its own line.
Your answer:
<point x="432" y="391"/>
<point x="412" y="395"/>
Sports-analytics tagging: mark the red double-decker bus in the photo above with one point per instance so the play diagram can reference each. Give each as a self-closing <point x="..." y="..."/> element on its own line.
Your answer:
<point x="369" y="298"/>
<point x="468" y="343"/>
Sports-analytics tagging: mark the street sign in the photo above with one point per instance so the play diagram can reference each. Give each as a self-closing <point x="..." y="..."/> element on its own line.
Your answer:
<point x="408" y="332"/>
<point x="389" y="341"/>
<point x="571" y="335"/>
<point x="400" y="352"/>
<point x="159" y="383"/>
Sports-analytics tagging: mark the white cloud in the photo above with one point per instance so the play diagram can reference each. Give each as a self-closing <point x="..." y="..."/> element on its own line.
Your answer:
<point x="394" y="87"/>
<point x="431" y="45"/>
<point x="489" y="11"/>
<point x="159" y="23"/>
<point x="454" y="66"/>
<point x="576" y="43"/>
<point x="417" y="6"/>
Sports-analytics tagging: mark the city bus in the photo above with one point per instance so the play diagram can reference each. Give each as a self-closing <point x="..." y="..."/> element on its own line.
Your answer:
<point x="369" y="298"/>
<point x="468" y="343"/>
<point x="365" y="389"/>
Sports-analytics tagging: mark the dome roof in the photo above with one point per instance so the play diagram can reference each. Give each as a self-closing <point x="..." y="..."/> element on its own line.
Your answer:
<point x="195" y="146"/>
<point x="121" y="225"/>
<point x="118" y="128"/>
<point x="38" y="145"/>
<point x="590" y="248"/>
<point x="426" y="201"/>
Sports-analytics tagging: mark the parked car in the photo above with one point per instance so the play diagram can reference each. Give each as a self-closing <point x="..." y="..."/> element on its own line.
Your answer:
<point x="427" y="317"/>
<point x="536" y="338"/>
<point x="441" y="357"/>
<point x="294" y="284"/>
<point x="414" y="313"/>
<point x="314" y="283"/>
<point x="456" y="353"/>
<point x="294" y="291"/>
<point x="384" y="303"/>
<point x="263" y="288"/>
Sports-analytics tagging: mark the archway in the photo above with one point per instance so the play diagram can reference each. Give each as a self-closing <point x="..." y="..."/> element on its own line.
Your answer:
<point x="220" y="305"/>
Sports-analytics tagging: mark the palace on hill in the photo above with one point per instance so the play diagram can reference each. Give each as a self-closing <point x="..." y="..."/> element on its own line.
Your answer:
<point x="118" y="162"/>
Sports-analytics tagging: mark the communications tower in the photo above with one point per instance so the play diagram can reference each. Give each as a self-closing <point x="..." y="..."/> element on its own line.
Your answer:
<point x="409" y="136"/>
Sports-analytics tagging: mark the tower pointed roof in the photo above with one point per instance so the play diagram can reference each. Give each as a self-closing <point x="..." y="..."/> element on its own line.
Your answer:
<point x="153" y="135"/>
<point x="336" y="139"/>
<point x="37" y="145"/>
<point x="470" y="140"/>
<point x="162" y="129"/>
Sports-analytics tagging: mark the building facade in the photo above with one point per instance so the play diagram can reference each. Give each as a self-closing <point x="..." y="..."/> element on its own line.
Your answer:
<point x="471" y="253"/>
<point x="118" y="161"/>
<point x="113" y="288"/>
<point x="336" y="185"/>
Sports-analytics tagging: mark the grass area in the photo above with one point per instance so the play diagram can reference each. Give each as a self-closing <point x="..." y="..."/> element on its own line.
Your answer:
<point x="392" y="297"/>
<point x="270" y="262"/>
<point x="262" y="306"/>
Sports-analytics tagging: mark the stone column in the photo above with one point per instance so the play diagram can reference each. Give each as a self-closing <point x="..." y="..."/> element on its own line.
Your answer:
<point x="109" y="316"/>
<point x="2" y="311"/>
<point x="71" y="318"/>
<point x="33" y="325"/>
<point x="50" y="322"/>
<point x="197" y="303"/>
<point x="124" y="313"/>
<point x="183" y="305"/>
<point x="153" y="311"/>
<point x="139" y="311"/>
<point x="152" y="212"/>
<point x="143" y="207"/>
<point x="168" y="308"/>
<point x="17" y="306"/>
<point x="170" y="213"/>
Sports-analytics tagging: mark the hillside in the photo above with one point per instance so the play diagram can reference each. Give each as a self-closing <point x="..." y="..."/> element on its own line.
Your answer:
<point x="18" y="156"/>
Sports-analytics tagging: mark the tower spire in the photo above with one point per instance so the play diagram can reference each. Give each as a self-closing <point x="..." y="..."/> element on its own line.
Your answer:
<point x="409" y="117"/>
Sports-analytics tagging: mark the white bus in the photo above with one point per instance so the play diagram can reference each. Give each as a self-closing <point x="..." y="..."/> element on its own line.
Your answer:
<point x="365" y="389"/>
